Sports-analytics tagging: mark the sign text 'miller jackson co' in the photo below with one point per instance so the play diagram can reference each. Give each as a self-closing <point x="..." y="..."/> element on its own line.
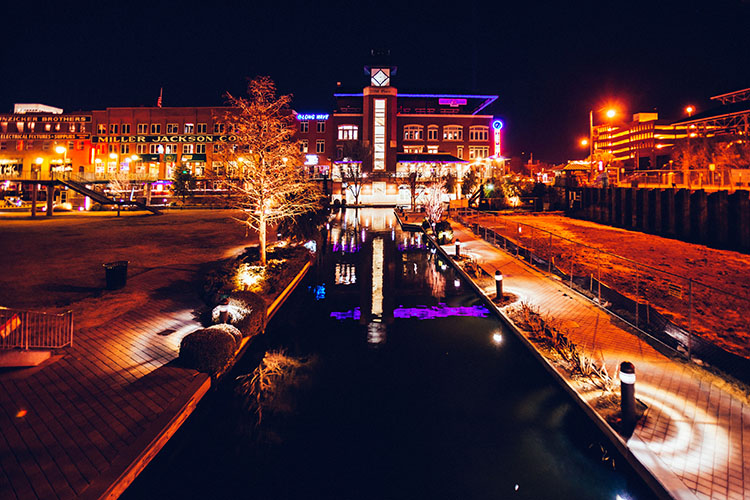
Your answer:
<point x="165" y="138"/>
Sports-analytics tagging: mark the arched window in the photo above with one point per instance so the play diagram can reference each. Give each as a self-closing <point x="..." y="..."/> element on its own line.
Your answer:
<point x="348" y="132"/>
<point x="413" y="133"/>
<point x="453" y="133"/>
<point x="479" y="133"/>
<point x="433" y="132"/>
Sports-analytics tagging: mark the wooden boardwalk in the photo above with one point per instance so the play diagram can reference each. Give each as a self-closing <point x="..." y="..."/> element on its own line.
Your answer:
<point x="696" y="435"/>
<point x="64" y="424"/>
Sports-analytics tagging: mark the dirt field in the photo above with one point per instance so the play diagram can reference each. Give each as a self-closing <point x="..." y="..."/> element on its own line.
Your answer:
<point x="666" y="272"/>
<point x="55" y="264"/>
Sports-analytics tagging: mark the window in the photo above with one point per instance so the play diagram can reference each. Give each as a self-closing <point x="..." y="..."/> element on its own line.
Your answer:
<point x="170" y="149"/>
<point x="200" y="148"/>
<point x="142" y="128"/>
<point x="320" y="145"/>
<point x="187" y="149"/>
<point x="303" y="146"/>
<point x="478" y="133"/>
<point x="478" y="152"/>
<point x="432" y="132"/>
<point x="154" y="149"/>
<point x="460" y="152"/>
<point x="113" y="128"/>
<point x="412" y="149"/>
<point x="189" y="127"/>
<point x="140" y="148"/>
<point x="46" y="145"/>
<point x="453" y="133"/>
<point x="218" y="128"/>
<point x="304" y="127"/>
<point x="156" y="128"/>
<point x="48" y="127"/>
<point x="79" y="145"/>
<point x="432" y="149"/>
<point x="171" y="128"/>
<point x="113" y="148"/>
<point x="124" y="149"/>
<point x="217" y="148"/>
<point x="348" y="132"/>
<point x="202" y="127"/>
<point x="321" y="127"/>
<point x="126" y="128"/>
<point x="379" y="123"/>
<point x="413" y="132"/>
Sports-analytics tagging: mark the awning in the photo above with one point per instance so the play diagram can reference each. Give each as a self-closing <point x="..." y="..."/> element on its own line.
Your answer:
<point x="194" y="157"/>
<point x="428" y="158"/>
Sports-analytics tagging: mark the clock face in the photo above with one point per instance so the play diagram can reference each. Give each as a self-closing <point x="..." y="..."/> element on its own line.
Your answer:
<point x="380" y="77"/>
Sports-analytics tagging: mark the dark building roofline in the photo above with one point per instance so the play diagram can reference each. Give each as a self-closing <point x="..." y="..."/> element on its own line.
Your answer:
<point x="735" y="108"/>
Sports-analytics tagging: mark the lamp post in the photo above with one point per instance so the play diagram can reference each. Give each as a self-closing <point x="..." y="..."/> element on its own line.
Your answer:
<point x="611" y="113"/>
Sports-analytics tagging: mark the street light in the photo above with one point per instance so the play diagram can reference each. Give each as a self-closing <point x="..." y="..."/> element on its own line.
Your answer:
<point x="611" y="113"/>
<point x="690" y="110"/>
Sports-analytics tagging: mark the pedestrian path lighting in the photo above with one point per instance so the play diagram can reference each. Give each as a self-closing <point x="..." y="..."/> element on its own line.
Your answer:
<point x="627" y="392"/>
<point x="499" y="285"/>
<point x="458" y="247"/>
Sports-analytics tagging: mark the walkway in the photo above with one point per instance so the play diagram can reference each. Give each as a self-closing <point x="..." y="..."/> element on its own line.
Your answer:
<point x="696" y="436"/>
<point x="71" y="426"/>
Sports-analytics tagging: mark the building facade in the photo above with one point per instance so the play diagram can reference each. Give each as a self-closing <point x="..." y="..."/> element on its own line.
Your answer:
<point x="645" y="143"/>
<point x="375" y="139"/>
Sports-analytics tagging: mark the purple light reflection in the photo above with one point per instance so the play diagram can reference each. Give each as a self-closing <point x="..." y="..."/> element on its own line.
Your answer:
<point x="422" y="312"/>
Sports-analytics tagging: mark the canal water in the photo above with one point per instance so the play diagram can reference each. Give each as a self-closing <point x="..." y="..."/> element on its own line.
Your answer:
<point x="408" y="388"/>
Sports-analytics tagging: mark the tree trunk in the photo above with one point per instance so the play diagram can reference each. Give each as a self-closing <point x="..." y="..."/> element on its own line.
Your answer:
<point x="262" y="243"/>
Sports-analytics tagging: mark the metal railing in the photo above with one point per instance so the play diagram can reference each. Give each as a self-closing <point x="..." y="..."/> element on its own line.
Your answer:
<point x="687" y="317"/>
<point x="729" y="179"/>
<point x="31" y="329"/>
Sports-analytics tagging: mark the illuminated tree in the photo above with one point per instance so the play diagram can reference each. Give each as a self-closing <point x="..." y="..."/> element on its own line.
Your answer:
<point x="270" y="185"/>
<point x="434" y="202"/>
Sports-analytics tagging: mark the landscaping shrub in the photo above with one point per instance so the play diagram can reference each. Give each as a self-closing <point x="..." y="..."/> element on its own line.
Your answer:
<point x="249" y="310"/>
<point x="208" y="350"/>
<point x="444" y="232"/>
<point x="231" y="330"/>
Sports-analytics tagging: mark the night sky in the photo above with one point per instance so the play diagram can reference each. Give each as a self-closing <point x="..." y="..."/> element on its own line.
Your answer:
<point x="549" y="64"/>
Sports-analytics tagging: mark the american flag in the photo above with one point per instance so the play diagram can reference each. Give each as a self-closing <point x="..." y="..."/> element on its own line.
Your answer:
<point x="158" y="101"/>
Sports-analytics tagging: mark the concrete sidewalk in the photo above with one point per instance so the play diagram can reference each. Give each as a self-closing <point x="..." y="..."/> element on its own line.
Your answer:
<point x="695" y="437"/>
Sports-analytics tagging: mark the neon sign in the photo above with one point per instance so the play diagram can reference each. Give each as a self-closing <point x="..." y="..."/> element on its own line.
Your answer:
<point x="497" y="126"/>
<point x="312" y="116"/>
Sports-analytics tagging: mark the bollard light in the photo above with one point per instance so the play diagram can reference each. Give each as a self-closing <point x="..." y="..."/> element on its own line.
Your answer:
<point x="224" y="311"/>
<point x="627" y="392"/>
<point x="458" y="247"/>
<point x="499" y="285"/>
<point x="457" y="283"/>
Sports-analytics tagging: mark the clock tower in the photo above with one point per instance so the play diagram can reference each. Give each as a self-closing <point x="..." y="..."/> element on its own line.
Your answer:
<point x="379" y="115"/>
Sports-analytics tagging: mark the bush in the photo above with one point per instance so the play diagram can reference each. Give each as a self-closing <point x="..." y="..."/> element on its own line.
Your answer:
<point x="208" y="350"/>
<point x="444" y="232"/>
<point x="231" y="330"/>
<point x="249" y="311"/>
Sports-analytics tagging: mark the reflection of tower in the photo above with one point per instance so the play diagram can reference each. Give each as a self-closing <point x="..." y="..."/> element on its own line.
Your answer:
<point x="377" y="273"/>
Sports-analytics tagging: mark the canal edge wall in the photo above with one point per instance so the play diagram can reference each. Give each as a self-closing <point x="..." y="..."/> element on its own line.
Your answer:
<point x="663" y="482"/>
<point x="126" y="468"/>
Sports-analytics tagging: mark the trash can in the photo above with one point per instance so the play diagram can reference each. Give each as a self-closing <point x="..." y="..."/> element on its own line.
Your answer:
<point x="116" y="274"/>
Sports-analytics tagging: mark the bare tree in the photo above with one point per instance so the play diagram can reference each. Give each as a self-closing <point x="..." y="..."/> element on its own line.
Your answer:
<point x="413" y="183"/>
<point x="355" y="155"/>
<point x="352" y="175"/>
<point x="270" y="185"/>
<point x="434" y="203"/>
